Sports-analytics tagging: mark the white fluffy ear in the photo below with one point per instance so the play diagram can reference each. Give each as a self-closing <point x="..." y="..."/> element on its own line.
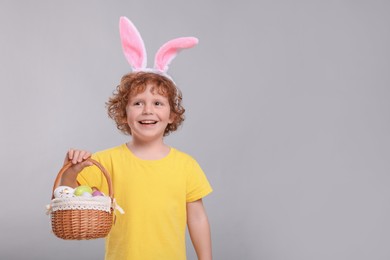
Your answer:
<point x="132" y="44"/>
<point x="169" y="50"/>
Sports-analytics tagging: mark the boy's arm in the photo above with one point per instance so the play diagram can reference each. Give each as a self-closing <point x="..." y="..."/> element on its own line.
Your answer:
<point x="199" y="229"/>
<point x="78" y="157"/>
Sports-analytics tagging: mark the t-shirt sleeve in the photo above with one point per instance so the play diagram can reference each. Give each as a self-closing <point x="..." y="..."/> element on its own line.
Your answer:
<point x="93" y="177"/>
<point x="197" y="184"/>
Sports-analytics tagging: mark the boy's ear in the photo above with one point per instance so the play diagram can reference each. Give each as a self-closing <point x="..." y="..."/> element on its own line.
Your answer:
<point x="124" y="119"/>
<point x="172" y="117"/>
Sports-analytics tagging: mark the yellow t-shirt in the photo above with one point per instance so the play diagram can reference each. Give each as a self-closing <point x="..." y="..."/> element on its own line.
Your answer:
<point x="153" y="194"/>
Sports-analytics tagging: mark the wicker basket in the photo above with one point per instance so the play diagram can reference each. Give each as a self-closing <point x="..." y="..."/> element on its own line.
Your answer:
<point x="87" y="218"/>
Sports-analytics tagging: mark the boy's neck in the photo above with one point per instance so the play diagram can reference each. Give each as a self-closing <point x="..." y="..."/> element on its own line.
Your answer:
<point x="149" y="150"/>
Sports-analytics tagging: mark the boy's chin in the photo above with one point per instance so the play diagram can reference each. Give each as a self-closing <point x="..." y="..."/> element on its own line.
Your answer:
<point x="148" y="137"/>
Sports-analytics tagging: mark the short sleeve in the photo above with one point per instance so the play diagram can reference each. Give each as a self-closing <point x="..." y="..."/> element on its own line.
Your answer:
<point x="93" y="177"/>
<point x="197" y="184"/>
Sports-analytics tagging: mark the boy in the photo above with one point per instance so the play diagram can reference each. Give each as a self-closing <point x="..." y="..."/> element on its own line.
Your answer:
<point x="159" y="187"/>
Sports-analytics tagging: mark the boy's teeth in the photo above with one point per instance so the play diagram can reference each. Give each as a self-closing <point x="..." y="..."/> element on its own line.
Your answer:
<point x="148" y="122"/>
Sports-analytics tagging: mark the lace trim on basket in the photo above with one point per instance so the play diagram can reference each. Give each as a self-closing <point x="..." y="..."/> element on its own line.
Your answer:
<point x="95" y="203"/>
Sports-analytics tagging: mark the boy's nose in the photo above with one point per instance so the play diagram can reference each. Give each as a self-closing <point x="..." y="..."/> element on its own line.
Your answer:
<point x="148" y="109"/>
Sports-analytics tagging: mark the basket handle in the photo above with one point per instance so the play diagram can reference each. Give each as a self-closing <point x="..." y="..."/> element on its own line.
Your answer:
<point x="96" y="163"/>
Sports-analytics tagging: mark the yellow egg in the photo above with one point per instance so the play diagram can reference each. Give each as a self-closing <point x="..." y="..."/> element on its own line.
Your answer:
<point x="81" y="189"/>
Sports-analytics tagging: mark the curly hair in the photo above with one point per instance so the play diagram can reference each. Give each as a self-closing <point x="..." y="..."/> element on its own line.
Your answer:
<point x="134" y="83"/>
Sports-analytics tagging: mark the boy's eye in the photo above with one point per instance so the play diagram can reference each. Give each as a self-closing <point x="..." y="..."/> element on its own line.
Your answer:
<point x="158" y="103"/>
<point x="137" y="103"/>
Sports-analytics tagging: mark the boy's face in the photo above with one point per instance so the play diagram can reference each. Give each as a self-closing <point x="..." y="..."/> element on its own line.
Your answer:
<point x="148" y="114"/>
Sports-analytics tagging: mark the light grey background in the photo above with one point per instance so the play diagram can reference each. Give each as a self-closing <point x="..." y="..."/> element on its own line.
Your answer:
<point x="287" y="112"/>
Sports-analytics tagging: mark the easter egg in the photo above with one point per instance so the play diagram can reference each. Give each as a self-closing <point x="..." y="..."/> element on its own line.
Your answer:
<point x="86" y="195"/>
<point x="81" y="189"/>
<point x="97" y="193"/>
<point x="63" y="192"/>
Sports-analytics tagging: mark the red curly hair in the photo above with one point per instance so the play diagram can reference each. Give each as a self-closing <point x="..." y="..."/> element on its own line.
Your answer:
<point x="134" y="83"/>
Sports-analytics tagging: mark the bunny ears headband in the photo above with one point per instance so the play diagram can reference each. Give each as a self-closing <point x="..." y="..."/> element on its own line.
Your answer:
<point x="135" y="53"/>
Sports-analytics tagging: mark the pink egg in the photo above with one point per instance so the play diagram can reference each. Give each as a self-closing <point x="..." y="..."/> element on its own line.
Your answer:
<point x="97" y="193"/>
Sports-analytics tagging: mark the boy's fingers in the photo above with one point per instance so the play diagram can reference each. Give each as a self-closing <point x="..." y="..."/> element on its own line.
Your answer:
<point x="84" y="155"/>
<point x="75" y="158"/>
<point x="87" y="155"/>
<point x="70" y="154"/>
<point x="88" y="163"/>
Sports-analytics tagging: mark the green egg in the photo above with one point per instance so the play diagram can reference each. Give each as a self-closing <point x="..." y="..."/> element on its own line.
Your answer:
<point x="81" y="189"/>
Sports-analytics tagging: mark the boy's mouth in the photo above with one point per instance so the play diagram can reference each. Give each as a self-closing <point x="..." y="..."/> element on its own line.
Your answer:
<point x="147" y="122"/>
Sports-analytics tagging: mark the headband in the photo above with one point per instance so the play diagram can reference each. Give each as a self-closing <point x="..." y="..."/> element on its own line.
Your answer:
<point x="135" y="52"/>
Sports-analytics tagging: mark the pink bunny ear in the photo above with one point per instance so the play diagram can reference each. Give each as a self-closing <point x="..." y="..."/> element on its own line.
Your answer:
<point x="132" y="44"/>
<point x="169" y="50"/>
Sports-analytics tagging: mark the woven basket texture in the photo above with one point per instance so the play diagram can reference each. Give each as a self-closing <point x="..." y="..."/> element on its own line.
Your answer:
<point x="82" y="224"/>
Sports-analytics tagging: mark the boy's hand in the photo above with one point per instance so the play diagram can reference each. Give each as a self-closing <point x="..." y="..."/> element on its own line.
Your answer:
<point x="78" y="159"/>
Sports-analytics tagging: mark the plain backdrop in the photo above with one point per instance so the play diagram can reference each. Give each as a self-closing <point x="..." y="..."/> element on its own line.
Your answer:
<point x="287" y="113"/>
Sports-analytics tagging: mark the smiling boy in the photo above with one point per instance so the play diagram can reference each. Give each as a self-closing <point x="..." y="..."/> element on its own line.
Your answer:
<point x="159" y="187"/>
